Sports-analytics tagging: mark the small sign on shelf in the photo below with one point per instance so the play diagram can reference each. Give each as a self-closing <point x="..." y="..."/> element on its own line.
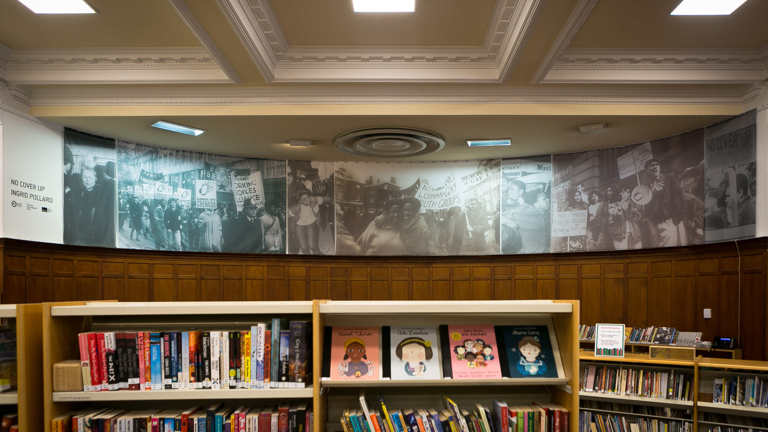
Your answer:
<point x="609" y="340"/>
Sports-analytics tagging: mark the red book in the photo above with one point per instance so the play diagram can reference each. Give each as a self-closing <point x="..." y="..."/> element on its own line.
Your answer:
<point x="140" y="354"/>
<point x="155" y="424"/>
<point x="267" y="354"/>
<point x="85" y="362"/>
<point x="102" y="362"/>
<point x="265" y="420"/>
<point x="147" y="363"/>
<point x="282" y="418"/>
<point x="241" y="418"/>
<point x="93" y="355"/>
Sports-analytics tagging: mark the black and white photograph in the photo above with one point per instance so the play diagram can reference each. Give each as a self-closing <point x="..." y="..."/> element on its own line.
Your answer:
<point x="89" y="189"/>
<point x="187" y="201"/>
<point x="310" y="212"/>
<point x="641" y="196"/>
<point x="525" y="205"/>
<point x="446" y="208"/>
<point x="731" y="183"/>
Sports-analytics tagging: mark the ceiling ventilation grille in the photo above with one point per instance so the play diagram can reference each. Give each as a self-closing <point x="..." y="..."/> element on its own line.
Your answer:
<point x="389" y="142"/>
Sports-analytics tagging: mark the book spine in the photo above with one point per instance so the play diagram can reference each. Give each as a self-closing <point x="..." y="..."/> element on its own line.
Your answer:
<point x="215" y="358"/>
<point x="175" y="363"/>
<point x="205" y="354"/>
<point x="166" y="338"/>
<point x="156" y="361"/>
<point x="85" y="362"/>
<point x="102" y="362"/>
<point x="133" y="357"/>
<point x="386" y="367"/>
<point x="232" y="362"/>
<point x="274" y="367"/>
<point x="285" y="354"/>
<point x="297" y="366"/>
<point x="184" y="378"/>
<point x="140" y="359"/>
<point x="147" y="361"/>
<point x="267" y="357"/>
<point x="445" y="347"/>
<point x="246" y="356"/>
<point x="193" y="343"/>
<point x="120" y="357"/>
<point x="110" y="347"/>
<point x="257" y="355"/>
<point x="224" y="360"/>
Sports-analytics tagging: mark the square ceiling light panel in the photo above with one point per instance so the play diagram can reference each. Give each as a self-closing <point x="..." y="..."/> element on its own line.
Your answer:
<point x="384" y="6"/>
<point x="58" y="6"/>
<point x="707" y="7"/>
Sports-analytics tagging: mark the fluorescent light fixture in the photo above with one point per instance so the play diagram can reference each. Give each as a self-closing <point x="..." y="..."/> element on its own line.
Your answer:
<point x="173" y="127"/>
<point x="707" y="7"/>
<point x="489" y="143"/>
<point x="58" y="6"/>
<point x="383" y="6"/>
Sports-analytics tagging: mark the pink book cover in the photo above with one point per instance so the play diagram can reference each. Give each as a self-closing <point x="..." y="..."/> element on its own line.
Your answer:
<point x="474" y="353"/>
<point x="355" y="353"/>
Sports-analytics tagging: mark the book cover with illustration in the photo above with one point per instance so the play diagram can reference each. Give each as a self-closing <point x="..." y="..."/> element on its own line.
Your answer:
<point x="415" y="353"/>
<point x="529" y="351"/>
<point x="355" y="353"/>
<point x="474" y="353"/>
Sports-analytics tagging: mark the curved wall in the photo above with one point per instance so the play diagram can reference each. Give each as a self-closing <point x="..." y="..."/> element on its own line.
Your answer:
<point x="688" y="189"/>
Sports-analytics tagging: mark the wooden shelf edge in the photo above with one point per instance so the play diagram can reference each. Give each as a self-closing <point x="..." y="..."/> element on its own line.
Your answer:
<point x="445" y="307"/>
<point x="184" y="308"/>
<point x="734" y="409"/>
<point x="446" y="382"/>
<point x="9" y="398"/>
<point x="288" y="393"/>
<point x="635" y="399"/>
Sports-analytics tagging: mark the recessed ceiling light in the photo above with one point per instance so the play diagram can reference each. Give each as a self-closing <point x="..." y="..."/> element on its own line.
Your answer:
<point x="707" y="7"/>
<point x="173" y="127"/>
<point x="58" y="6"/>
<point x="383" y="6"/>
<point x="489" y="143"/>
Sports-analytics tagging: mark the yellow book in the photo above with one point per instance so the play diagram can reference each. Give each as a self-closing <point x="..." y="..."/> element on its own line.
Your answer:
<point x="246" y="353"/>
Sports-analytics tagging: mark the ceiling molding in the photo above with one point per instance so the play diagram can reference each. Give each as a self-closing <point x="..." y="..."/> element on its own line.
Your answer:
<point x="215" y="96"/>
<point x="114" y="66"/>
<point x="608" y="66"/>
<point x="258" y="29"/>
<point x="576" y="19"/>
<point x="205" y="39"/>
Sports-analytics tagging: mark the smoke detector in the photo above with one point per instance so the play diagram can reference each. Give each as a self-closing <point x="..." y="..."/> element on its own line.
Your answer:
<point x="389" y="142"/>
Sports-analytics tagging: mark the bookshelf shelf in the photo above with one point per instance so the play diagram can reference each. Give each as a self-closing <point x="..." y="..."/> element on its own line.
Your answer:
<point x="733" y="409"/>
<point x="749" y="365"/>
<point x="182" y="308"/>
<point x="108" y="396"/>
<point x="634" y="358"/>
<point x="446" y="382"/>
<point x="634" y="399"/>
<point x="9" y="398"/>
<point x="445" y="307"/>
<point x="626" y="413"/>
<point x="8" y="311"/>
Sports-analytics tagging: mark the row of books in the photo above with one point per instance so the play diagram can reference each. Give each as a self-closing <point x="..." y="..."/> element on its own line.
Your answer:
<point x="216" y="418"/>
<point x="7" y="354"/>
<point x="265" y="355"/>
<point x="590" y="421"/>
<point x="633" y="381"/>
<point x="452" y="418"/>
<point x="730" y="423"/>
<point x="641" y="410"/>
<point x="648" y="335"/>
<point x="743" y="390"/>
<point x="447" y="351"/>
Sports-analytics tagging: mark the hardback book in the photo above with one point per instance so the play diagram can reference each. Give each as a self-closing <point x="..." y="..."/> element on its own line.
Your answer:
<point x="473" y="351"/>
<point x="529" y="351"/>
<point x="110" y="350"/>
<point x="355" y="353"/>
<point x="285" y="354"/>
<point x="274" y="367"/>
<point x="664" y="335"/>
<point x="414" y="353"/>
<point x="298" y="364"/>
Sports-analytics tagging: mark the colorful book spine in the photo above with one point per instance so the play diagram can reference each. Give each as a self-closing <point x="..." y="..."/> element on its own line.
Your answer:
<point x="257" y="355"/>
<point x="85" y="362"/>
<point x="267" y="357"/>
<point x="224" y="360"/>
<point x="184" y="377"/>
<point x="132" y="360"/>
<point x="246" y="356"/>
<point x="166" y="365"/>
<point x="285" y="354"/>
<point x="140" y="359"/>
<point x="194" y="337"/>
<point x="215" y="358"/>
<point x="174" y="370"/>
<point x="156" y="360"/>
<point x="205" y="355"/>
<point x="110" y="350"/>
<point x="93" y="356"/>
<point x="274" y="367"/>
<point x="298" y="351"/>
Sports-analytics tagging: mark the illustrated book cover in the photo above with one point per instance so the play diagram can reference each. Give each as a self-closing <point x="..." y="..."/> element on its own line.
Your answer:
<point x="529" y="352"/>
<point x="355" y="353"/>
<point x="474" y="353"/>
<point x="415" y="353"/>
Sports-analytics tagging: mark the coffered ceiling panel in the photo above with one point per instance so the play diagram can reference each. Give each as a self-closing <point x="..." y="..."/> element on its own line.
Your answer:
<point x="333" y="22"/>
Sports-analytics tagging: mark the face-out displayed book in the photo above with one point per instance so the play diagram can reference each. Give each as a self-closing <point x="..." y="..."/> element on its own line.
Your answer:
<point x="530" y="351"/>
<point x="355" y="353"/>
<point x="414" y="353"/>
<point x="473" y="352"/>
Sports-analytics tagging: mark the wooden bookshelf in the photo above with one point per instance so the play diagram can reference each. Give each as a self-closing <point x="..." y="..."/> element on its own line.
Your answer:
<point x="635" y="400"/>
<point x="562" y="314"/>
<point x="27" y="397"/>
<point x="61" y="322"/>
<point x="585" y="355"/>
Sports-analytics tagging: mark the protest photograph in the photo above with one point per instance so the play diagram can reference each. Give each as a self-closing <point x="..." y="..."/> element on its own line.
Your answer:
<point x="641" y="196"/>
<point x="525" y="205"/>
<point x="447" y="208"/>
<point x="310" y="212"/>
<point x="89" y="189"/>
<point x="188" y="201"/>
<point x="731" y="183"/>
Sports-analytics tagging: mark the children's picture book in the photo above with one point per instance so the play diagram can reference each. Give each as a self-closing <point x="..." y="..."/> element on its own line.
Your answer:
<point x="355" y="353"/>
<point x="415" y="353"/>
<point x="474" y="353"/>
<point x="529" y="351"/>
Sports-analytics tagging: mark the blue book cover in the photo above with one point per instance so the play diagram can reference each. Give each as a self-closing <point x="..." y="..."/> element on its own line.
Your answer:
<point x="528" y="351"/>
<point x="156" y="360"/>
<point x="274" y="367"/>
<point x="174" y="359"/>
<point x="257" y="355"/>
<point x="169" y="424"/>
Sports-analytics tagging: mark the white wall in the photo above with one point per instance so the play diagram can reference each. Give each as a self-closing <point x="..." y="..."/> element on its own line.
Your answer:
<point x="32" y="177"/>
